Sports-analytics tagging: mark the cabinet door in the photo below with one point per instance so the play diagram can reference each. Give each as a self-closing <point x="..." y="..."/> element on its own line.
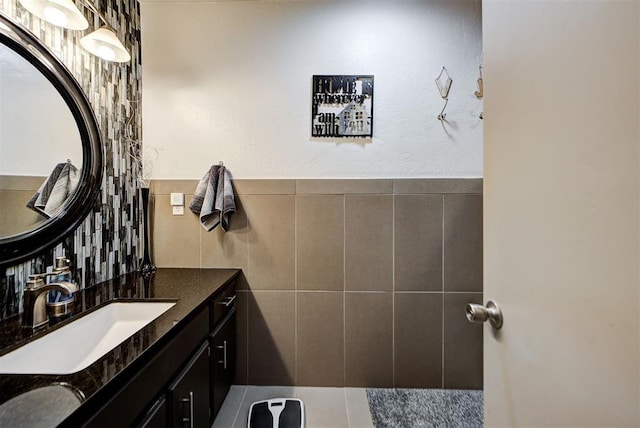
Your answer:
<point x="223" y="361"/>
<point x="189" y="393"/>
<point x="156" y="417"/>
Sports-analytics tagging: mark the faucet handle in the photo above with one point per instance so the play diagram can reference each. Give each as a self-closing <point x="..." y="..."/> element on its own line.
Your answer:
<point x="62" y="263"/>
<point x="36" y="280"/>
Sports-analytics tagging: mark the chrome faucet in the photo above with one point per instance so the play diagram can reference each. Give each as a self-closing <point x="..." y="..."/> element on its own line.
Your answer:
<point x="35" y="296"/>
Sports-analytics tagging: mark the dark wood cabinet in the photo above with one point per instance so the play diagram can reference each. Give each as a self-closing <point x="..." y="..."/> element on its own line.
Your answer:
<point x="183" y="383"/>
<point x="127" y="405"/>
<point x="156" y="417"/>
<point x="189" y="393"/>
<point x="223" y="361"/>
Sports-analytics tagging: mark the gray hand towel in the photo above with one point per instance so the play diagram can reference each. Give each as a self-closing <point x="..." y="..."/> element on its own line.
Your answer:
<point x="213" y="200"/>
<point x="56" y="189"/>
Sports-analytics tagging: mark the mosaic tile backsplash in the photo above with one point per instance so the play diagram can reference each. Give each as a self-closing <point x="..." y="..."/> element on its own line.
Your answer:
<point x="106" y="244"/>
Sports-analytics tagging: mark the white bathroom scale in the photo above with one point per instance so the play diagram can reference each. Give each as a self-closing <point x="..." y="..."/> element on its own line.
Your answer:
<point x="277" y="413"/>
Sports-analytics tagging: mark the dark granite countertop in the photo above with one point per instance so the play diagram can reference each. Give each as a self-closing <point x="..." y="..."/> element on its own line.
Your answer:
<point x="189" y="288"/>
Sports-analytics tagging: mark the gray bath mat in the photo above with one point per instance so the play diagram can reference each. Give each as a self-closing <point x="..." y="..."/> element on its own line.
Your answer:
<point x="411" y="408"/>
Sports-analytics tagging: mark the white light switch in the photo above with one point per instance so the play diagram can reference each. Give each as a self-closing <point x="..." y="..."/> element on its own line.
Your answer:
<point x="177" y="199"/>
<point x="178" y="210"/>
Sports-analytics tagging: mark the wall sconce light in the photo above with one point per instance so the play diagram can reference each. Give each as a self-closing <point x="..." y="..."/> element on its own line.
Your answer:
<point x="105" y="44"/>
<point x="61" y="13"/>
<point x="102" y="42"/>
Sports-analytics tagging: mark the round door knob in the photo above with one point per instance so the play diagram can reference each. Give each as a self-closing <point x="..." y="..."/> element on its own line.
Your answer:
<point x="479" y="313"/>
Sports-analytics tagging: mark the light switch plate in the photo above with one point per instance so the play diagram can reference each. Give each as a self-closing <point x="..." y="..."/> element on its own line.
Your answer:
<point x="177" y="210"/>
<point x="177" y="199"/>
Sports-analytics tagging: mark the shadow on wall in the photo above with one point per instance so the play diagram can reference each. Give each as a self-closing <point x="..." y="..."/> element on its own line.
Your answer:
<point x="260" y="360"/>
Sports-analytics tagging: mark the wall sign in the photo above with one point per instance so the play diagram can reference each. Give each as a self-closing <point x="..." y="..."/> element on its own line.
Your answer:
<point x="342" y="106"/>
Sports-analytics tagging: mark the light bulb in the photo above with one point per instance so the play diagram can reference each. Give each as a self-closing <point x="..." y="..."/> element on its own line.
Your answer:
<point x="105" y="44"/>
<point x="105" y="52"/>
<point x="61" y="13"/>
<point x="55" y="16"/>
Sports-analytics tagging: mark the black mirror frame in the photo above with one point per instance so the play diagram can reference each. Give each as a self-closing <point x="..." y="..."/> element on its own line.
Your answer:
<point x="23" y="246"/>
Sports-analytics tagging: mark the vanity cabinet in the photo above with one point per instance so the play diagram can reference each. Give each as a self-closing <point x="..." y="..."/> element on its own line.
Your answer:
<point x="126" y="404"/>
<point x="181" y="383"/>
<point x="223" y="361"/>
<point x="223" y="347"/>
<point x="189" y="393"/>
<point x="156" y="417"/>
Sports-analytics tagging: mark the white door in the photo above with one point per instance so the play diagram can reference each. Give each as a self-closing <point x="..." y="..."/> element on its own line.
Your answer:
<point x="561" y="137"/>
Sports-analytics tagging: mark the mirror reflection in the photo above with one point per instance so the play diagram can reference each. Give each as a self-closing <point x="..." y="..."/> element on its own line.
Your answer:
<point x="40" y="146"/>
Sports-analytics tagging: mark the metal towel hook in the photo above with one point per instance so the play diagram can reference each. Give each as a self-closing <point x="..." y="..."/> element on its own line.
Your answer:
<point x="480" y="92"/>
<point x="444" y="82"/>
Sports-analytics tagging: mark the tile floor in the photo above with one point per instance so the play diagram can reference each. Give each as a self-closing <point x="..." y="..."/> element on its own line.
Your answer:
<point x="325" y="407"/>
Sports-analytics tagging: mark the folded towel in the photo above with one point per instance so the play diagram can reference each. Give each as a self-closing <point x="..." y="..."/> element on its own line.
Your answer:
<point x="213" y="200"/>
<point x="56" y="189"/>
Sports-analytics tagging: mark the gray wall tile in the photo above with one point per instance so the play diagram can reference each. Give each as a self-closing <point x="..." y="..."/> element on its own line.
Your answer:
<point x="368" y="339"/>
<point x="344" y="186"/>
<point x="175" y="239"/>
<point x="320" y="242"/>
<point x="166" y="187"/>
<point x="20" y="182"/>
<point x="271" y="222"/>
<point x="242" y="322"/>
<point x="16" y="218"/>
<point x="271" y="338"/>
<point x="437" y="185"/>
<point x="462" y="343"/>
<point x="418" y="242"/>
<point x="227" y="249"/>
<point x="299" y="251"/>
<point x="418" y="340"/>
<point x="264" y="187"/>
<point x="320" y="338"/>
<point x="368" y="243"/>
<point x="463" y="242"/>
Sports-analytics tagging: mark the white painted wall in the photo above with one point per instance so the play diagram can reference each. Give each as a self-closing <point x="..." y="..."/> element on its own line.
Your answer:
<point x="231" y="81"/>
<point x="37" y="129"/>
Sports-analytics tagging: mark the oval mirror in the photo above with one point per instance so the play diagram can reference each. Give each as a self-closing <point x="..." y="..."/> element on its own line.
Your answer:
<point x="50" y="148"/>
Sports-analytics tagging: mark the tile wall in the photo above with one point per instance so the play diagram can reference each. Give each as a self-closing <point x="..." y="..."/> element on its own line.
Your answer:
<point x="105" y="245"/>
<point x="15" y="192"/>
<point x="346" y="282"/>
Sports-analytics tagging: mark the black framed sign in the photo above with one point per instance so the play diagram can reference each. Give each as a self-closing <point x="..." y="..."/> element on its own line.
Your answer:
<point x="342" y="106"/>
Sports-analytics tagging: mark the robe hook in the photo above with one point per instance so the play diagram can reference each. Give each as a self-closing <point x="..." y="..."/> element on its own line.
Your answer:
<point x="444" y="87"/>
<point x="480" y="92"/>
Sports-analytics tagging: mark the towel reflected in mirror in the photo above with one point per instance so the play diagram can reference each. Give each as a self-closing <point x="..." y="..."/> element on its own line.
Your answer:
<point x="56" y="189"/>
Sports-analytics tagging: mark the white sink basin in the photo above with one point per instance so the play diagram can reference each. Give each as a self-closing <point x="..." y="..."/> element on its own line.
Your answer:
<point x="82" y="342"/>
